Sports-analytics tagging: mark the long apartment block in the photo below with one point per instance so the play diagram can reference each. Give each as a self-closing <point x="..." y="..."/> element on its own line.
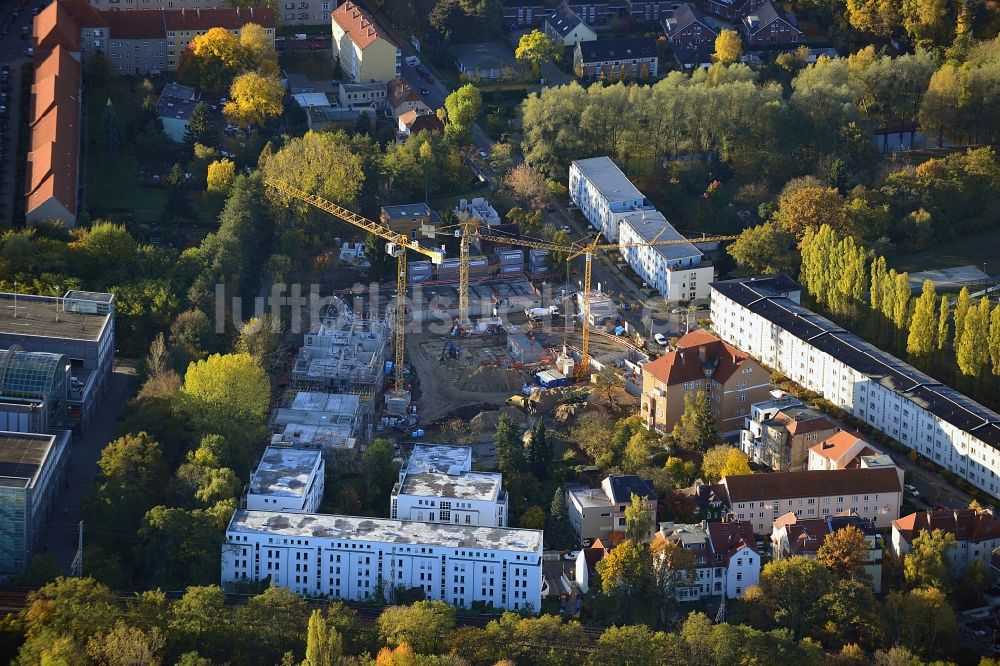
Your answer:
<point x="764" y="317"/>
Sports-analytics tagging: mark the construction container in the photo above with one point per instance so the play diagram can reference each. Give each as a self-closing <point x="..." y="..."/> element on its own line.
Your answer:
<point x="551" y="379"/>
<point x="511" y="270"/>
<point x="507" y="256"/>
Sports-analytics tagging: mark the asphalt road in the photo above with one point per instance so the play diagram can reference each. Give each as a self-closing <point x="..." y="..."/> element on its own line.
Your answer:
<point x="12" y="53"/>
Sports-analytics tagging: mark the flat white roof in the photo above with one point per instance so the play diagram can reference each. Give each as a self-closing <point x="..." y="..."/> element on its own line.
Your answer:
<point x="589" y="498"/>
<point x="284" y="472"/>
<point x="315" y="401"/>
<point x="333" y="436"/>
<point x="608" y="179"/>
<point x="467" y="485"/>
<point x="439" y="459"/>
<point x="651" y="224"/>
<point x="383" y="530"/>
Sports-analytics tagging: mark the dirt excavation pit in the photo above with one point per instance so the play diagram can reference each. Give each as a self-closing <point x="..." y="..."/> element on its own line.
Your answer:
<point x="491" y="380"/>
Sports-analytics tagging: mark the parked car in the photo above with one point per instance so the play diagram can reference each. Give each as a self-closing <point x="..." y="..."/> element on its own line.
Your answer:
<point x="566" y="228"/>
<point x="678" y="311"/>
<point x="661" y="339"/>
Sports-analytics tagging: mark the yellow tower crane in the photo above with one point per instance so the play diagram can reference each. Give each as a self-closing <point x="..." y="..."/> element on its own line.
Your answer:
<point x="396" y="246"/>
<point x="587" y="250"/>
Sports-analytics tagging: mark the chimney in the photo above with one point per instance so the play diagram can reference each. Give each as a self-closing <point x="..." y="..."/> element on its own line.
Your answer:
<point x="701" y="353"/>
<point x="704" y="525"/>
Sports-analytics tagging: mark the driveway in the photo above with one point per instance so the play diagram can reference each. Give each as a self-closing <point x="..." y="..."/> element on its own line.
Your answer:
<point x="59" y="537"/>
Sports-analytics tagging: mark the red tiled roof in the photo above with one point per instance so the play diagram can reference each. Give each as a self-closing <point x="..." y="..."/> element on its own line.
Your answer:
<point x="836" y="446"/>
<point x="228" y="18"/>
<point x="965" y="524"/>
<point x="55" y="25"/>
<point x="811" y="483"/>
<point x="685" y="364"/>
<point x="421" y="121"/>
<point x="729" y="537"/>
<point x="136" y="24"/>
<point x="800" y="426"/>
<point x="55" y="132"/>
<point x="359" y="25"/>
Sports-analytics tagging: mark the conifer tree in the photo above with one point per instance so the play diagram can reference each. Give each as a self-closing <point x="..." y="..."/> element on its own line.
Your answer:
<point x="539" y="451"/>
<point x="111" y="127"/>
<point x="509" y="446"/>
<point x="923" y="327"/>
<point x="558" y="531"/>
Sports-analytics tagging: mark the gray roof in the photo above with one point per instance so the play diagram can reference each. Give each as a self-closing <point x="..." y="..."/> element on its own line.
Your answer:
<point x="382" y="530"/>
<point x="406" y="210"/>
<point x="764" y="15"/>
<point x="22" y="456"/>
<point x="651" y="224"/>
<point x="563" y="20"/>
<point x="588" y="498"/>
<point x="685" y="15"/>
<point x="46" y="316"/>
<point x="608" y="179"/>
<point x="623" y="487"/>
<point x="467" y="485"/>
<point x="284" y="472"/>
<point x="767" y="298"/>
<point x="439" y="459"/>
<point x="374" y="86"/>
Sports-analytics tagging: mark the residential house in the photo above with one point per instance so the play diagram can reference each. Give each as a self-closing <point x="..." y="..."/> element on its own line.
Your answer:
<point x="843" y="450"/>
<point x="599" y="512"/>
<point x="603" y="193"/>
<point x="782" y="438"/>
<point x="486" y="60"/>
<point x="174" y="109"/>
<point x="977" y="535"/>
<point x="297" y="12"/>
<point x="438" y="485"/>
<point x="365" y="49"/>
<point x="411" y="122"/>
<point x="731" y="9"/>
<point x="622" y="59"/>
<point x="373" y="95"/>
<point x="764" y="317"/>
<point x="708" y="499"/>
<point x="726" y="557"/>
<point x="402" y="97"/>
<point x="517" y="13"/>
<point x="679" y="272"/>
<point x="458" y="564"/>
<point x="649" y="10"/>
<point x="287" y="479"/>
<point x="730" y="379"/>
<point x="411" y="220"/>
<point x="687" y="29"/>
<point x="595" y="12"/>
<point x="53" y="164"/>
<point x="585" y="565"/>
<point x="792" y="536"/>
<point x="768" y="24"/>
<point x="564" y="26"/>
<point x="873" y="494"/>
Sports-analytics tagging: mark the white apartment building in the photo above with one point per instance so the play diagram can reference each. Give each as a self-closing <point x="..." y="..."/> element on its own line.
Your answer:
<point x="347" y="557"/>
<point x="602" y="192"/>
<point x="679" y="272"/>
<point x="287" y="479"/>
<point x="872" y="494"/>
<point x="977" y="535"/>
<point x="726" y="558"/>
<point x="763" y="317"/>
<point x="437" y="485"/>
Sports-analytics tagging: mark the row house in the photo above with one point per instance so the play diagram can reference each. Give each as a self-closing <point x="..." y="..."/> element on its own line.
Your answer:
<point x="730" y="379"/>
<point x="623" y="59"/>
<point x="687" y="30"/>
<point x="518" y="13"/>
<point x="873" y="494"/>
<point x="767" y="24"/>
<point x="763" y="316"/>
<point x="726" y="558"/>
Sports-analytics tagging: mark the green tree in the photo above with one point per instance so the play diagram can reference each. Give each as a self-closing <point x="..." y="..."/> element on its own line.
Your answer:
<point x="994" y="339"/>
<point x="534" y="518"/>
<point x="920" y="620"/>
<point x="462" y="107"/>
<point x="425" y="626"/>
<point x="927" y="563"/>
<point x="595" y="434"/>
<point x="765" y="249"/>
<point x="378" y="469"/>
<point x="509" y="446"/>
<point x="323" y="644"/>
<point x="254" y="98"/>
<point x="201" y="127"/>
<point x="674" y="567"/>
<point x="127" y="646"/>
<point x="558" y="530"/>
<point x="852" y="615"/>
<point x="228" y="395"/>
<point x="880" y="17"/>
<point x="200" y="620"/>
<point x="639" y="519"/>
<point x="811" y="207"/>
<point x="972" y="348"/>
<point x="626" y="574"/>
<point x="962" y="306"/>
<point x="697" y="425"/>
<point x="944" y="319"/>
<point x="844" y="552"/>
<point x="722" y="461"/>
<point x="793" y="587"/>
<point x="535" y="49"/>
<point x="260" y="338"/>
<point x="220" y="176"/>
<point x="321" y="163"/>
<point x="728" y="47"/>
<point x="539" y="452"/>
<point x="920" y="341"/>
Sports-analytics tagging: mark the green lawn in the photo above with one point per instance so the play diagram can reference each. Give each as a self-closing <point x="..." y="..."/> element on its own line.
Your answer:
<point x="973" y="250"/>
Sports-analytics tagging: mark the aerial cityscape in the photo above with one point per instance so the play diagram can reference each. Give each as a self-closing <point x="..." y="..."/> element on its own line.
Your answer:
<point x="499" y="332"/>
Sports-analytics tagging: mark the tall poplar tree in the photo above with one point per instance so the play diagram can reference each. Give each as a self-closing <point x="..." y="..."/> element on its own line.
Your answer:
<point x="994" y="339"/>
<point x="923" y="328"/>
<point x="962" y="306"/>
<point x="944" y="317"/>
<point x="878" y="280"/>
<point x="972" y="350"/>
<point x="901" y="300"/>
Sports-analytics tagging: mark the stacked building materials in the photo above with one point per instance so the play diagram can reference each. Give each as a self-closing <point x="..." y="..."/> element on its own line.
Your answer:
<point x="511" y="261"/>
